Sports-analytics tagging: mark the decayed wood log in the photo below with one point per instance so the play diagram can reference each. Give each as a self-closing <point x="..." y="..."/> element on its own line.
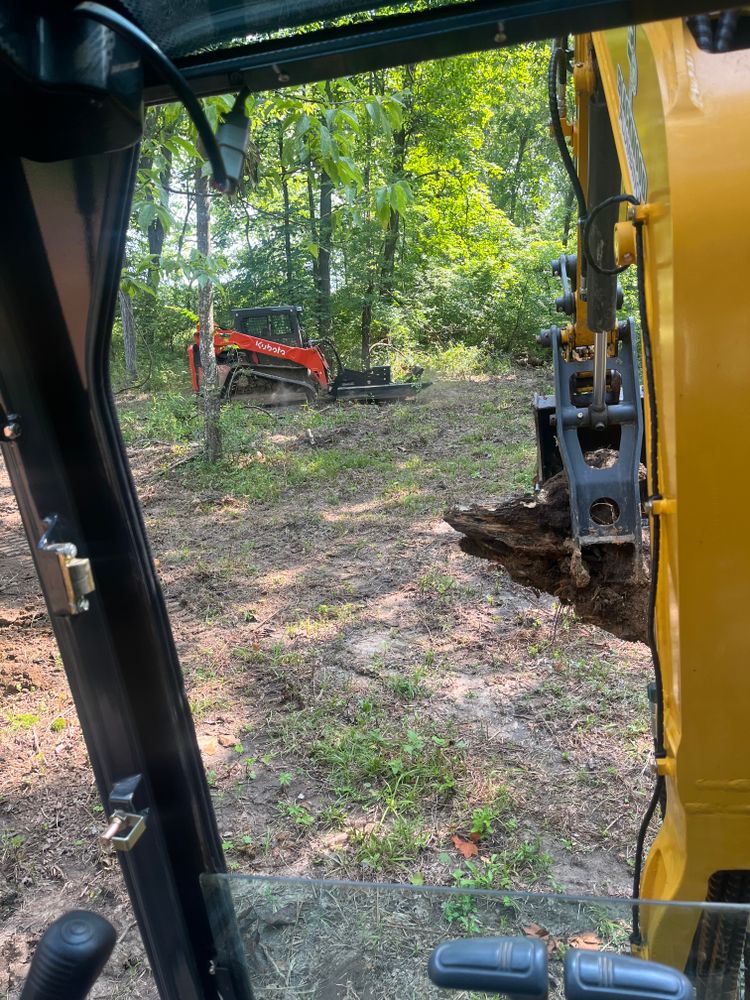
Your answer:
<point x="530" y="536"/>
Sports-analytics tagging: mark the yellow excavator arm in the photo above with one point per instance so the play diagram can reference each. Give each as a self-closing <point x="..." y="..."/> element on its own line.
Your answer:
<point x="679" y="117"/>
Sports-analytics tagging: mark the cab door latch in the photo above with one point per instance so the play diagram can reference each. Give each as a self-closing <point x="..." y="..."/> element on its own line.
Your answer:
<point x="75" y="580"/>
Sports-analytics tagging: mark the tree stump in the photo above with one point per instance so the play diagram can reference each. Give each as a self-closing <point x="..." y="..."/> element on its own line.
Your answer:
<point x="529" y="535"/>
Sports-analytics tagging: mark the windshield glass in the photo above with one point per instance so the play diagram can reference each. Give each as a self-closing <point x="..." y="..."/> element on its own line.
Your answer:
<point x="328" y="939"/>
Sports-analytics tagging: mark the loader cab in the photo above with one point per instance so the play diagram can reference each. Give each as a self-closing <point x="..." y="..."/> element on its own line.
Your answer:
<point x="279" y="324"/>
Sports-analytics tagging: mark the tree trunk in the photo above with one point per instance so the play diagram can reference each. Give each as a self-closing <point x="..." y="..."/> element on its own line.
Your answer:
<point x="128" y="335"/>
<point x="287" y="223"/>
<point x="211" y="399"/>
<point x="156" y="232"/>
<point x="367" y="323"/>
<point x="325" y="230"/>
<point x="314" y="237"/>
<point x="567" y="216"/>
<point x="530" y="536"/>
<point x="387" y="267"/>
<point x="522" y="144"/>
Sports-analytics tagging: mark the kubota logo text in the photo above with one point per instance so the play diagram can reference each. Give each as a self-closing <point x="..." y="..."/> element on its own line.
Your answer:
<point x="270" y="348"/>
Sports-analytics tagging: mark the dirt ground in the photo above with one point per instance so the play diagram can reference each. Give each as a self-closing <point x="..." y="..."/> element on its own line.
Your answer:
<point x="366" y="696"/>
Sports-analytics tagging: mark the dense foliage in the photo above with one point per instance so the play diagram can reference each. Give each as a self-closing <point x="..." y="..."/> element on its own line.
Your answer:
<point x="412" y="210"/>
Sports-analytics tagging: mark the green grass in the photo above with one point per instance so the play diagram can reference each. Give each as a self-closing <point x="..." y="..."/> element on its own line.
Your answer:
<point x="277" y="658"/>
<point x="169" y="416"/>
<point x="591" y="691"/>
<point x="409" y="687"/>
<point x="401" y="766"/>
<point x="299" y="814"/>
<point x="437" y="584"/>
<point x="202" y="707"/>
<point x="22" y="720"/>
<point x="390" y="846"/>
<point x="360" y="448"/>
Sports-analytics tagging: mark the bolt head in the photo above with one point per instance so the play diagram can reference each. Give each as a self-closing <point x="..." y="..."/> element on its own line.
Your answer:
<point x="12" y="430"/>
<point x="579" y="415"/>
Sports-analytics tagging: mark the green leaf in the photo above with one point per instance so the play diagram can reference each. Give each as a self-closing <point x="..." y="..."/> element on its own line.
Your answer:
<point x="399" y="198"/>
<point x="349" y="171"/>
<point x="331" y="168"/>
<point x="302" y="125"/>
<point x="146" y="215"/>
<point x="394" y="112"/>
<point x="383" y="206"/>
<point x="130" y="285"/>
<point x="328" y="149"/>
<point x="185" y="312"/>
<point x="350" y="117"/>
<point x="289" y="151"/>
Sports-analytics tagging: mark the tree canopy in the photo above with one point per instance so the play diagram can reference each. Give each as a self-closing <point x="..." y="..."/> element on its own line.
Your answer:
<point x="415" y="208"/>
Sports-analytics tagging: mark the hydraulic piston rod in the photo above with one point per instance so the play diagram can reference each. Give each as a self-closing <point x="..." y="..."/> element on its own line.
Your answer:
<point x="598" y="409"/>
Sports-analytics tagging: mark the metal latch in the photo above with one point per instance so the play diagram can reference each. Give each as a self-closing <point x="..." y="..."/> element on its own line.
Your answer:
<point x="76" y="578"/>
<point x="127" y="821"/>
<point x="124" y="830"/>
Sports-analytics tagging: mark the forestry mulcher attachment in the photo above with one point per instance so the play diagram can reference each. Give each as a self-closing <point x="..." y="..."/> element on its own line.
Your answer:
<point x="266" y="359"/>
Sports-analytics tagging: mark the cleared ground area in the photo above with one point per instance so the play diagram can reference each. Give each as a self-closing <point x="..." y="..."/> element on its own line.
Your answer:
<point x="371" y="703"/>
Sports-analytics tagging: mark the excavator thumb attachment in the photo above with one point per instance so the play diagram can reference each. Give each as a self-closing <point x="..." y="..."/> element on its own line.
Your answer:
<point x="601" y="457"/>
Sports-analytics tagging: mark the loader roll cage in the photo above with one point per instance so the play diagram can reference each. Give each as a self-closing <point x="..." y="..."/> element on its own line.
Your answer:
<point x="68" y="187"/>
<point x="280" y="324"/>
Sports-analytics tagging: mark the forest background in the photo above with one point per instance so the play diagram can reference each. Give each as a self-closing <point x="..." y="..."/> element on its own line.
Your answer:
<point x="412" y="212"/>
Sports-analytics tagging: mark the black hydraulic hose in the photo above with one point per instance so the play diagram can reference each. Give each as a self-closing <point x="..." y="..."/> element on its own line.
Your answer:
<point x="616" y="199"/>
<point x="659" y="792"/>
<point x="327" y="342"/>
<point x="164" y="65"/>
<point x="648" y="363"/>
<point x="640" y="844"/>
<point x="558" y="56"/>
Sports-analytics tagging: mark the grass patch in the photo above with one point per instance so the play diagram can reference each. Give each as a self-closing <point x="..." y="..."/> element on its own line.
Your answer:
<point x="325" y="616"/>
<point x="409" y="687"/>
<point x="21" y="720"/>
<point x="169" y="417"/>
<point x="436" y="584"/>
<point x="389" y="847"/>
<point x="523" y="864"/>
<point x="399" y="767"/>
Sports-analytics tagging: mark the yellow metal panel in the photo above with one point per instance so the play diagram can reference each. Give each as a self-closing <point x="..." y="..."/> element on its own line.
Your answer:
<point x="690" y="113"/>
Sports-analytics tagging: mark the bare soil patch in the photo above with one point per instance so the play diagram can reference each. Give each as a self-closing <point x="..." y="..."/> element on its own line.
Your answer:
<point x="363" y="690"/>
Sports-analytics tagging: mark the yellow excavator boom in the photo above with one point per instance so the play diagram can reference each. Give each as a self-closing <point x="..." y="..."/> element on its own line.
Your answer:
<point x="680" y="120"/>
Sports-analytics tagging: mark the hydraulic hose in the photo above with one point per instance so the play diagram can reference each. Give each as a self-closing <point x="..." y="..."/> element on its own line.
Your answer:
<point x="586" y="234"/>
<point x="659" y="793"/>
<point x="600" y="372"/>
<point x="557" y="60"/>
<point x="648" y="365"/>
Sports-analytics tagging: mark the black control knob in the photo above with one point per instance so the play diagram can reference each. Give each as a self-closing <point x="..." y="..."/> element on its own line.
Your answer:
<point x="70" y="956"/>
